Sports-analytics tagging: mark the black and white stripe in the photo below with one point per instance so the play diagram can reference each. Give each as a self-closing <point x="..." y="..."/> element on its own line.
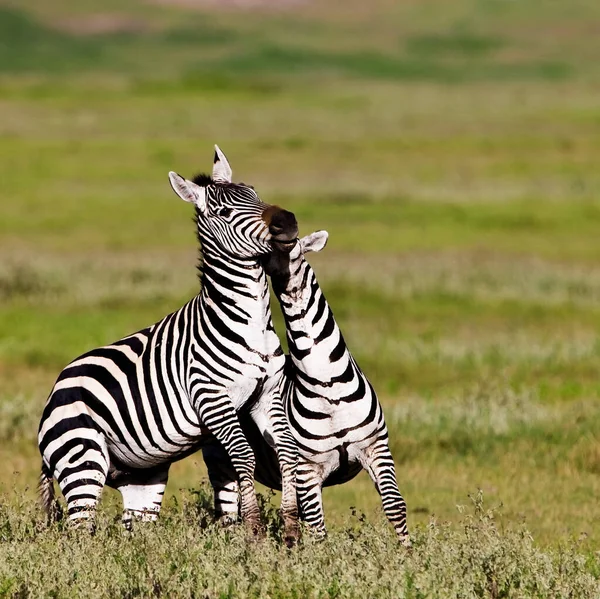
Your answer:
<point x="335" y="416"/>
<point x="121" y="414"/>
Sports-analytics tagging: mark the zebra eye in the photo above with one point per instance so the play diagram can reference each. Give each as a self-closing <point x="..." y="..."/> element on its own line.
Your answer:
<point x="224" y="212"/>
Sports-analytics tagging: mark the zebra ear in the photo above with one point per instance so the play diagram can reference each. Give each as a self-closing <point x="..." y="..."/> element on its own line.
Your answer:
<point x="188" y="191"/>
<point x="221" y="169"/>
<point x="314" y="242"/>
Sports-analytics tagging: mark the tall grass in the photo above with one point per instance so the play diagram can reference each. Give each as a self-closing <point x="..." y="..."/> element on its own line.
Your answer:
<point x="185" y="556"/>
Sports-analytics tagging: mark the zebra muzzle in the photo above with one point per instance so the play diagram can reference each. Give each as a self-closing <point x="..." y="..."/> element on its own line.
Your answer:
<point x="283" y="228"/>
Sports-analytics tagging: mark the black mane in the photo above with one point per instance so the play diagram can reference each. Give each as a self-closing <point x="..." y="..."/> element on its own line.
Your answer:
<point x="200" y="254"/>
<point x="203" y="180"/>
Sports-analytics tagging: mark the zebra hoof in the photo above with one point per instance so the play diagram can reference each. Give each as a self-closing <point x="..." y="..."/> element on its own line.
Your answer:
<point x="319" y="534"/>
<point x="83" y="526"/>
<point x="257" y="530"/>
<point x="405" y="541"/>
<point x="227" y="520"/>
<point x="291" y="534"/>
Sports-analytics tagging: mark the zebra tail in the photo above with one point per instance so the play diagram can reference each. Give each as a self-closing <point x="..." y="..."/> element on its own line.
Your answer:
<point x="48" y="497"/>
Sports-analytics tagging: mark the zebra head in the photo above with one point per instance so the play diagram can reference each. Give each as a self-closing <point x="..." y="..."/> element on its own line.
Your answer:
<point x="231" y="218"/>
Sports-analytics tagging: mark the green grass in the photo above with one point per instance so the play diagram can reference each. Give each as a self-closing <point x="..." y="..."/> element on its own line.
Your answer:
<point x="186" y="556"/>
<point x="450" y="149"/>
<point x="31" y="45"/>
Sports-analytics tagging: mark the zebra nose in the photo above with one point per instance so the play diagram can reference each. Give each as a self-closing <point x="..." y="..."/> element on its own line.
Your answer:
<point x="283" y="225"/>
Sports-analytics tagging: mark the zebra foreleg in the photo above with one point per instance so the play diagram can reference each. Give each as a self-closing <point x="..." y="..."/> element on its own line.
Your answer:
<point x="378" y="462"/>
<point x="224" y="483"/>
<point x="220" y="417"/>
<point x="270" y="418"/>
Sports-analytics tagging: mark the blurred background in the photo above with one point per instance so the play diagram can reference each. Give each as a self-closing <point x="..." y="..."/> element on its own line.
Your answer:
<point x="451" y="149"/>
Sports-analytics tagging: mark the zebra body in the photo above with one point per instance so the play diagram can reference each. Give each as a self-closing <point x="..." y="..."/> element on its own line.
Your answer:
<point x="335" y="416"/>
<point x="121" y="414"/>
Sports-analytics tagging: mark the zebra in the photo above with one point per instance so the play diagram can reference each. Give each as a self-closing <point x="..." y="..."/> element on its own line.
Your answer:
<point x="333" y="410"/>
<point x="121" y="414"/>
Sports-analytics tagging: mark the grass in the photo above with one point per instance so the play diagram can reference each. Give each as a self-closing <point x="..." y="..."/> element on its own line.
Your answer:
<point x="178" y="558"/>
<point x="451" y="151"/>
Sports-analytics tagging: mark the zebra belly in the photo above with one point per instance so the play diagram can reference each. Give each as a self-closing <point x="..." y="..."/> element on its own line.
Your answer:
<point x="336" y="466"/>
<point x="152" y="456"/>
<point x="120" y="473"/>
<point x="342" y="474"/>
<point x="143" y="425"/>
<point x="333" y="434"/>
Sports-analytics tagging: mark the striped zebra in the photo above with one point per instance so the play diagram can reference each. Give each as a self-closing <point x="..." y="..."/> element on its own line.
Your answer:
<point x="333" y="411"/>
<point x="121" y="414"/>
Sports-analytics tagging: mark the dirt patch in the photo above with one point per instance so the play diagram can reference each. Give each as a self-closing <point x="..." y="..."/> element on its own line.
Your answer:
<point x="101" y="24"/>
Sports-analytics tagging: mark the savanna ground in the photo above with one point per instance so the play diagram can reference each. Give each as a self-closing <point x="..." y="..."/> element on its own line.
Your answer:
<point x="451" y="149"/>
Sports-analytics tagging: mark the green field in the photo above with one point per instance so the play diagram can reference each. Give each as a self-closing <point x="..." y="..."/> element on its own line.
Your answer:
<point x="451" y="149"/>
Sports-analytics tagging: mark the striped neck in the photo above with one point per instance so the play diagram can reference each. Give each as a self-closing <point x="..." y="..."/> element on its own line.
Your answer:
<point x="238" y="287"/>
<point x="325" y="373"/>
<point x="311" y="326"/>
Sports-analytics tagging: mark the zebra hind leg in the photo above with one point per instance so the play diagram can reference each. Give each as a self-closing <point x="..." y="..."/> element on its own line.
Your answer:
<point x="142" y="498"/>
<point x="310" y="499"/>
<point x="81" y="476"/>
<point x="223" y="480"/>
<point x="378" y="462"/>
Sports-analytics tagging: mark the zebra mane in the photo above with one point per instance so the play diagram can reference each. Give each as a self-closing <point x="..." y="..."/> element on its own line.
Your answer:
<point x="200" y="264"/>
<point x="203" y="180"/>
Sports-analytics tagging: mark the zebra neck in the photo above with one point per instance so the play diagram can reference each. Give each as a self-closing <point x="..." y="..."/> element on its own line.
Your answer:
<point x="325" y="373"/>
<point x="238" y="288"/>
<point x="295" y="288"/>
<point x="314" y="337"/>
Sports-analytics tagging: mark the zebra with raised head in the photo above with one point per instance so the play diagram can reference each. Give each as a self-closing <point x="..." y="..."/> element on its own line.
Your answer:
<point x="121" y="414"/>
<point x="335" y="416"/>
